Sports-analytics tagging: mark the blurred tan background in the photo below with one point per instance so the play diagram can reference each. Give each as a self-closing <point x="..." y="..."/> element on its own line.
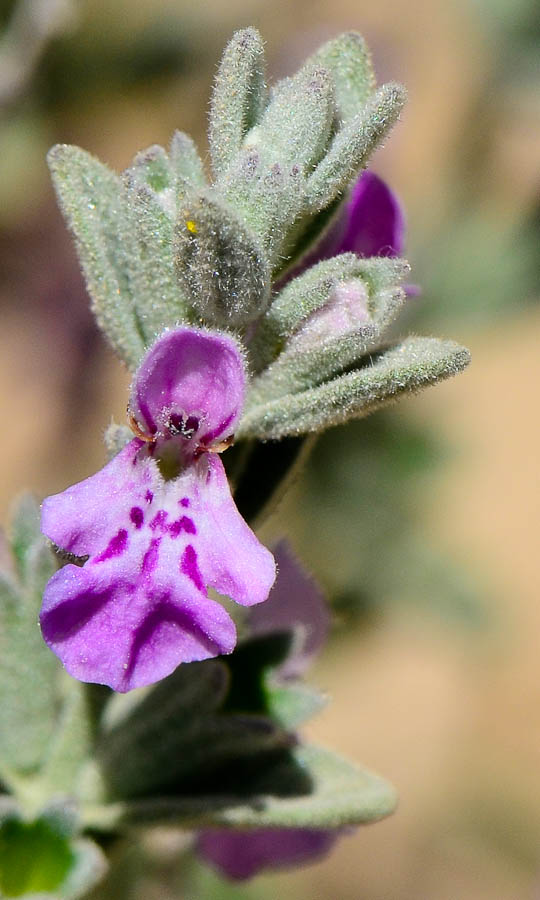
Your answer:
<point x="443" y="700"/>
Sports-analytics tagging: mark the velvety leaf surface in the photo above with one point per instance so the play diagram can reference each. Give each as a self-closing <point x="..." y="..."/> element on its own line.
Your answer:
<point x="405" y="368"/>
<point x="94" y="204"/>
<point x="309" y="787"/>
<point x="28" y="672"/>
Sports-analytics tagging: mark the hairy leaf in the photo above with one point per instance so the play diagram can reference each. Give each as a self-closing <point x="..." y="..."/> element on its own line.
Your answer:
<point x="94" y="204"/>
<point x="416" y="363"/>
<point x="238" y="98"/>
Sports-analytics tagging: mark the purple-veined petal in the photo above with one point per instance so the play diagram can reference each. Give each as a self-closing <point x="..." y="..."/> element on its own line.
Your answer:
<point x="240" y="566"/>
<point x="192" y="378"/>
<point x="240" y="855"/>
<point x="115" y="626"/>
<point x="139" y="605"/>
<point x="295" y="604"/>
<point x="83" y="517"/>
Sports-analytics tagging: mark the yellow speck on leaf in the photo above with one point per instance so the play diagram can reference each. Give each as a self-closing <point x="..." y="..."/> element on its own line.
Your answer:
<point x="191" y="226"/>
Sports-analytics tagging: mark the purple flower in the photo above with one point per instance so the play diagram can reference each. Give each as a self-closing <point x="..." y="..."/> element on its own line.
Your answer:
<point x="158" y="527"/>
<point x="242" y="854"/>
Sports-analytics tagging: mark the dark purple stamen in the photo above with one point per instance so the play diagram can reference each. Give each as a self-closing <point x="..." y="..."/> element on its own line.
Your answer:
<point x="177" y="425"/>
<point x="184" y="524"/>
<point x="191" y="426"/>
<point x="115" y="547"/>
<point x="137" y="516"/>
<point x="189" y="567"/>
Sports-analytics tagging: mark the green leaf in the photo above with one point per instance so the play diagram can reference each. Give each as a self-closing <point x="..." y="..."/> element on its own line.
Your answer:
<point x="70" y="748"/>
<point x="28" y="669"/>
<point x="238" y="98"/>
<point x="295" y="129"/>
<point x="152" y="168"/>
<point x="309" y="787"/>
<point x="24" y="530"/>
<point x="349" y="61"/>
<point x="248" y="667"/>
<point x="347" y="326"/>
<point x="33" y="858"/>
<point x="405" y="368"/>
<point x="186" y="164"/>
<point x="93" y="201"/>
<point x="159" y="299"/>
<point x="188" y="755"/>
<point x="353" y="145"/>
<point x="39" y="859"/>
<point x="268" y="198"/>
<point x="88" y="868"/>
<point x="265" y="182"/>
<point x="293" y="704"/>
<point x="221" y="268"/>
<point x="144" y="746"/>
<point x="116" y="437"/>
<point x="180" y="734"/>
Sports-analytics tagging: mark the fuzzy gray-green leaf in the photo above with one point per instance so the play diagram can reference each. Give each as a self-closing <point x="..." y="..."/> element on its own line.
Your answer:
<point x="220" y="266"/>
<point x="28" y="669"/>
<point x="192" y="752"/>
<point x="116" y="437"/>
<point x="71" y="746"/>
<point x="406" y="368"/>
<point x="348" y="60"/>
<point x="238" y="98"/>
<point x="295" y="129"/>
<point x="159" y="299"/>
<point x="93" y="201"/>
<point x="24" y="530"/>
<point x="268" y="198"/>
<point x="152" y="167"/>
<point x="312" y="788"/>
<point x="293" y="704"/>
<point x="353" y="145"/>
<point x="186" y="164"/>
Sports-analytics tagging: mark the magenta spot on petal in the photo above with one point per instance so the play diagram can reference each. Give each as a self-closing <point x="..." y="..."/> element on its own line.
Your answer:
<point x="184" y="502"/>
<point x="151" y="556"/>
<point x="137" y="516"/>
<point x="149" y="496"/>
<point x="159" y="520"/>
<point x="115" y="547"/>
<point x="184" y="524"/>
<point x="189" y="567"/>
